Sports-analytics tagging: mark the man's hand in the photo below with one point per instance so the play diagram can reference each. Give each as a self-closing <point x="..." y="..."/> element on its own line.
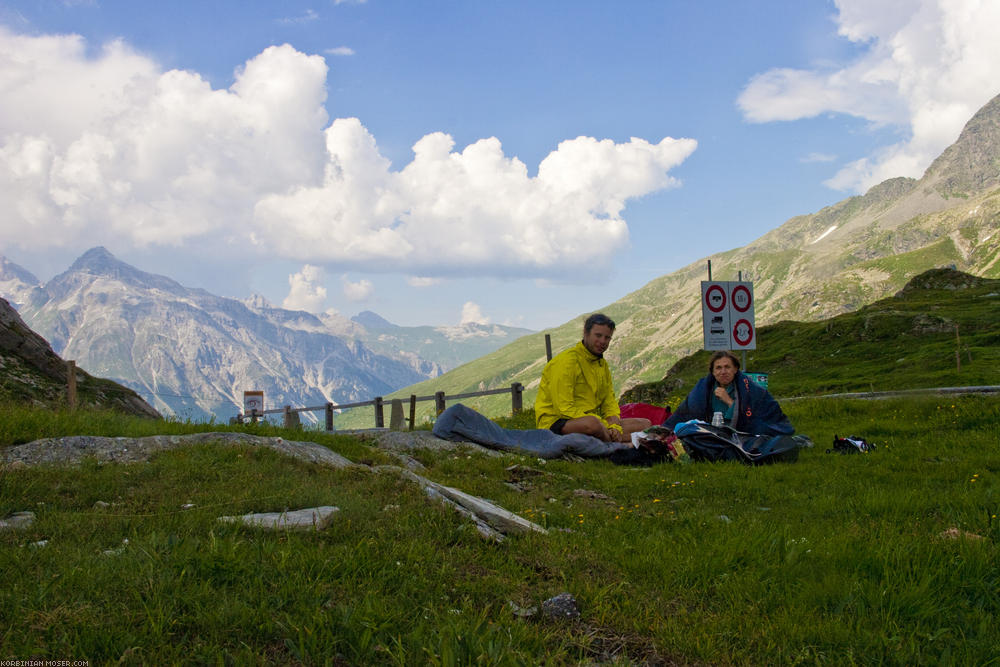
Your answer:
<point x="615" y="431"/>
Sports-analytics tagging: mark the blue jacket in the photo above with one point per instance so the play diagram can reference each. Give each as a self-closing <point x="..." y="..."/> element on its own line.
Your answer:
<point x="758" y="414"/>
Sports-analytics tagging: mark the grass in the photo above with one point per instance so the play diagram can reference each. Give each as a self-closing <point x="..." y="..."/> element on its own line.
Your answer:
<point x="832" y="560"/>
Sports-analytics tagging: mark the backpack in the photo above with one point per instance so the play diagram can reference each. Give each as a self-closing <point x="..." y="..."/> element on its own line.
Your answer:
<point x="852" y="444"/>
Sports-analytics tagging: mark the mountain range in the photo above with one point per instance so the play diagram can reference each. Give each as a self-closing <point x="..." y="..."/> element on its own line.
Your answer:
<point x="192" y="354"/>
<point x="812" y="267"/>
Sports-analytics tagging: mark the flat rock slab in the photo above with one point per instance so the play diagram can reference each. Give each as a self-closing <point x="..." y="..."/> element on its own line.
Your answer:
<point x="502" y="520"/>
<point x="311" y="518"/>
<point x="410" y="440"/>
<point x="17" y="520"/>
<point x="74" y="449"/>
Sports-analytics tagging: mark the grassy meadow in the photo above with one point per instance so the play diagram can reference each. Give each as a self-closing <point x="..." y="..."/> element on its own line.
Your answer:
<point x="885" y="558"/>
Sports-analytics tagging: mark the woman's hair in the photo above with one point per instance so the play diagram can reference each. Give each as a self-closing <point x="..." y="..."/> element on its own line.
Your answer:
<point x="720" y="355"/>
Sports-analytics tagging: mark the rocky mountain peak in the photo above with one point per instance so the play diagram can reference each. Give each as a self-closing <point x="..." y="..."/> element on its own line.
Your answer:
<point x="972" y="163"/>
<point x="11" y="271"/>
<point x="371" y="320"/>
<point x="99" y="261"/>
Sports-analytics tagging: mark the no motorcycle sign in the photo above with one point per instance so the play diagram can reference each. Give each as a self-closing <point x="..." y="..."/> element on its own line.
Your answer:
<point x="727" y="313"/>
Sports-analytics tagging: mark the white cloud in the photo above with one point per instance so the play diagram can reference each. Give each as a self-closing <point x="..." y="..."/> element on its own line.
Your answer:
<point x="472" y="212"/>
<point x="929" y="66"/>
<point x="308" y="16"/>
<point x="307" y="292"/>
<point x="359" y="291"/>
<point x="420" y="281"/>
<point x="473" y="314"/>
<point x="158" y="157"/>
<point x="340" y="51"/>
<point x="818" y="157"/>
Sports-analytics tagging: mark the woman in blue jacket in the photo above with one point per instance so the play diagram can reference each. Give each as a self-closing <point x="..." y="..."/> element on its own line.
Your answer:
<point x="745" y="405"/>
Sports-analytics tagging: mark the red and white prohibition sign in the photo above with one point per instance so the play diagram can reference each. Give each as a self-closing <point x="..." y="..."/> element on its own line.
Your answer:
<point x="743" y="332"/>
<point x="741" y="298"/>
<point x="715" y="298"/>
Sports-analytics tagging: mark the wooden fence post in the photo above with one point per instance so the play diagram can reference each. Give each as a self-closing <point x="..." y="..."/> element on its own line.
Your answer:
<point x="439" y="402"/>
<point x="958" y="351"/>
<point x="516" y="396"/>
<point x="291" y="418"/>
<point x="413" y="410"/>
<point x="396" y="415"/>
<point x="329" y="416"/>
<point x="379" y="414"/>
<point x="71" y="384"/>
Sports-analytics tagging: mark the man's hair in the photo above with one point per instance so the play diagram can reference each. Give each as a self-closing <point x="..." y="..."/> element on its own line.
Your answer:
<point x="598" y="319"/>
<point x="722" y="354"/>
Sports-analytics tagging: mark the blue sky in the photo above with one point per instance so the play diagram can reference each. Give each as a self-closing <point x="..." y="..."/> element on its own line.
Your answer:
<point x="513" y="162"/>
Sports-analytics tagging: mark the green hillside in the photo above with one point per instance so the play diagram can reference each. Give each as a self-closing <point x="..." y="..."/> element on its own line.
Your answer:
<point x="939" y="331"/>
<point x="908" y="339"/>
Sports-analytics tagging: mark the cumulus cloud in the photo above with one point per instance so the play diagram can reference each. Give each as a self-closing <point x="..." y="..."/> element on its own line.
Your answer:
<point x="359" y="291"/>
<point x="473" y="314"/>
<point x="306" y="290"/>
<point x="159" y="157"/>
<point x="928" y="66"/>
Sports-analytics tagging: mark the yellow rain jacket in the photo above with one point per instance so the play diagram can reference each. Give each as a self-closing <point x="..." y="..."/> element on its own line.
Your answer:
<point x="575" y="383"/>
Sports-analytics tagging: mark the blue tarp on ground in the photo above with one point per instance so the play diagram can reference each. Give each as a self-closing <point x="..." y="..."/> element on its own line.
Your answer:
<point x="461" y="423"/>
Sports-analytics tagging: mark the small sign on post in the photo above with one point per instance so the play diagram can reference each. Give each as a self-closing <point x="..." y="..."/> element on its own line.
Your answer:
<point x="253" y="404"/>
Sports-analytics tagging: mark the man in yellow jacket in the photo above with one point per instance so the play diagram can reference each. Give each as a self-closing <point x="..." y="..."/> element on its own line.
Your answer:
<point x="576" y="394"/>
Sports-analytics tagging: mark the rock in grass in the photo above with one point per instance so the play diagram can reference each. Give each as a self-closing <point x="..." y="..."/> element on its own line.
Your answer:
<point x="311" y="518"/>
<point x="561" y="606"/>
<point x="17" y="520"/>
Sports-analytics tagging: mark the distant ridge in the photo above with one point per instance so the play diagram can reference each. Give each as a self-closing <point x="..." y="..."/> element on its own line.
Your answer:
<point x="371" y="320"/>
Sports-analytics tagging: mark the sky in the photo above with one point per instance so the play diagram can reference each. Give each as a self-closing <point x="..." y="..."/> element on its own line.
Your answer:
<point x="511" y="162"/>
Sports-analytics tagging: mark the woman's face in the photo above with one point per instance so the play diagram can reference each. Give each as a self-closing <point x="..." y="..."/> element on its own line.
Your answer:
<point x="723" y="370"/>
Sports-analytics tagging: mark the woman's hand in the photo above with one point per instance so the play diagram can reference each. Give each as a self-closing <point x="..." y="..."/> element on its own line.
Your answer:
<point x="723" y="395"/>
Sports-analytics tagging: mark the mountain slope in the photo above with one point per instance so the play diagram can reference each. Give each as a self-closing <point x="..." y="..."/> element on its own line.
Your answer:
<point x="812" y="267"/>
<point x="31" y="372"/>
<point x="940" y="330"/>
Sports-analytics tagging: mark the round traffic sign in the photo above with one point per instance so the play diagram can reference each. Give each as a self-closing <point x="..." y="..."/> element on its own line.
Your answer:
<point x="715" y="298"/>
<point x="743" y="332"/>
<point x="741" y="298"/>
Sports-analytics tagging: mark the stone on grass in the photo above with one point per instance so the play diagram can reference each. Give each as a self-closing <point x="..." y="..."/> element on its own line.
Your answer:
<point x="17" y="520"/>
<point x="521" y="612"/>
<point x="561" y="606"/>
<point x="311" y="518"/>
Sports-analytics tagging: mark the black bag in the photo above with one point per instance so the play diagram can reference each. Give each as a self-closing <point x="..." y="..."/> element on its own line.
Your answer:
<point x="852" y="444"/>
<point x="705" y="442"/>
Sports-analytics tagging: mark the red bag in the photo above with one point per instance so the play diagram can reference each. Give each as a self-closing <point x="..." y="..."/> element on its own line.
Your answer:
<point x="655" y="414"/>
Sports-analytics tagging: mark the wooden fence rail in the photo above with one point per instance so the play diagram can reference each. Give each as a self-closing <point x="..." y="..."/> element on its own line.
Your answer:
<point x="291" y="415"/>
